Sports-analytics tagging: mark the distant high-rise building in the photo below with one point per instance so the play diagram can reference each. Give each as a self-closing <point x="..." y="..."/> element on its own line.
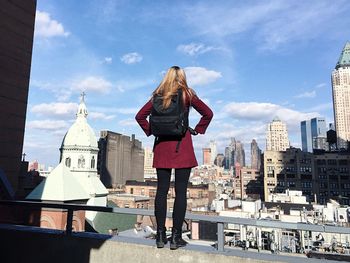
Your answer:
<point x="230" y="154"/>
<point x="240" y="154"/>
<point x="234" y="153"/>
<point x="255" y="154"/>
<point x="227" y="160"/>
<point x="213" y="151"/>
<point x="206" y="156"/>
<point x="16" y="42"/>
<point x="219" y="160"/>
<point x="120" y="158"/>
<point x="277" y="136"/>
<point x="313" y="134"/>
<point x="341" y="97"/>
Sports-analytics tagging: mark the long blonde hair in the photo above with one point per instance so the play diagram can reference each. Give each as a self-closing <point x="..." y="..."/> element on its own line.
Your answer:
<point x="174" y="79"/>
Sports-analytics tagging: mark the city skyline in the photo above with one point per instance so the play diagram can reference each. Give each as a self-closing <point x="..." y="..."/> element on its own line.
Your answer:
<point x="249" y="69"/>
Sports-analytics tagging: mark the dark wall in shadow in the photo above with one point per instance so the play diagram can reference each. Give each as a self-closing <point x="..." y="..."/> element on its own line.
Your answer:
<point x="38" y="245"/>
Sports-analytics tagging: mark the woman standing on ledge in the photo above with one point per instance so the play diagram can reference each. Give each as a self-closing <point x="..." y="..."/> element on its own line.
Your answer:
<point x="172" y="154"/>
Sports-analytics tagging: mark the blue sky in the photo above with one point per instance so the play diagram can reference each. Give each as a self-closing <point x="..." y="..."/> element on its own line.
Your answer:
<point x="249" y="60"/>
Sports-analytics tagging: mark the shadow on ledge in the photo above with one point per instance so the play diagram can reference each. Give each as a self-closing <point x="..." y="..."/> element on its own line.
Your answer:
<point x="34" y="244"/>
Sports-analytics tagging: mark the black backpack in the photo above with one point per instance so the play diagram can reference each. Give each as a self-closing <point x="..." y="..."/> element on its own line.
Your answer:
<point x="171" y="123"/>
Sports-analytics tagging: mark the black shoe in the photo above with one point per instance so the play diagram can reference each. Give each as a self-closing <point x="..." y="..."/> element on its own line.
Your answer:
<point x="176" y="240"/>
<point x="161" y="239"/>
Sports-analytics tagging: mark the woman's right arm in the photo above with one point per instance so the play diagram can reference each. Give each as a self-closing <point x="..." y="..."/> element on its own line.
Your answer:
<point x="206" y="113"/>
<point x="141" y="117"/>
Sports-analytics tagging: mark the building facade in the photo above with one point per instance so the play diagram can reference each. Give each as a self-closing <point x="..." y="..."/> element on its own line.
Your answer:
<point x="120" y="158"/>
<point x="341" y="97"/>
<point x="332" y="177"/>
<point x="291" y="169"/>
<point x="277" y="136"/>
<point x="16" y="43"/>
<point x="247" y="183"/>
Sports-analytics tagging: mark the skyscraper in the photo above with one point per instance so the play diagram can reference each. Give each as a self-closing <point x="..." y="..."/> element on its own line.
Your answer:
<point x="227" y="160"/>
<point x="277" y="136"/>
<point x="206" y="156"/>
<point x="341" y="97"/>
<point x="313" y="134"/>
<point x="234" y="153"/>
<point x="239" y="154"/>
<point x="255" y="154"/>
<point x="213" y="151"/>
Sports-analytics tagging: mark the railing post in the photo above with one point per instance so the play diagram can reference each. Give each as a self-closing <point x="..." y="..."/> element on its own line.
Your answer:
<point x="221" y="237"/>
<point x="69" y="225"/>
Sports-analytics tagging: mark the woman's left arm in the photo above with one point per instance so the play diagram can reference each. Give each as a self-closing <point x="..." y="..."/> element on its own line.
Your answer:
<point x="141" y="117"/>
<point x="206" y="113"/>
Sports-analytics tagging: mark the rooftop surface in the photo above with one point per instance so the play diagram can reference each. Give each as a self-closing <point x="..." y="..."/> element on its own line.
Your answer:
<point x="33" y="244"/>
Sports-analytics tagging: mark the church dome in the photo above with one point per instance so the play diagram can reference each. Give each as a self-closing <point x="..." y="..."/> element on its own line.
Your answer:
<point x="80" y="134"/>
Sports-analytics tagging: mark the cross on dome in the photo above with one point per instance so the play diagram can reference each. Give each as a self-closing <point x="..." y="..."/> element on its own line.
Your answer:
<point x="82" y="96"/>
<point x="82" y="110"/>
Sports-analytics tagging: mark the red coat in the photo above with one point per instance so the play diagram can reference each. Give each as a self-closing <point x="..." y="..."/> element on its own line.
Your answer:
<point x="165" y="155"/>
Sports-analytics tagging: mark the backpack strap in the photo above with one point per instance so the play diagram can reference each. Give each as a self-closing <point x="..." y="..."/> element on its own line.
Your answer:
<point x="178" y="146"/>
<point x="155" y="142"/>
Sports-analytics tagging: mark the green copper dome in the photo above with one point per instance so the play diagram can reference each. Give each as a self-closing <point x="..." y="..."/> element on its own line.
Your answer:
<point x="344" y="59"/>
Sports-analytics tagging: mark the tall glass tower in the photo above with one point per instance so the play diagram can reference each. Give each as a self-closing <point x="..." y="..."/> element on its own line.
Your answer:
<point x="313" y="134"/>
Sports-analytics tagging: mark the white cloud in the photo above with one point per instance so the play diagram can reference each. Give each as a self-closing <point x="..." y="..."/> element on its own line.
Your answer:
<point x="307" y="94"/>
<point x="201" y="76"/>
<point x="128" y="122"/>
<point x="61" y="92"/>
<point x="47" y="27"/>
<point x="265" y="112"/>
<point x="193" y="49"/>
<point x="100" y="116"/>
<point x="94" y="84"/>
<point x="55" y="109"/>
<point x="321" y="85"/>
<point x="108" y="60"/>
<point x="51" y="125"/>
<point x="131" y="58"/>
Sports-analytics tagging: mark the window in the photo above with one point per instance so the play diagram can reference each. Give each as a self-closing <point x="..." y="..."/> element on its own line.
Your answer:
<point x="93" y="162"/>
<point x="81" y="162"/>
<point x="68" y="162"/>
<point x="332" y="162"/>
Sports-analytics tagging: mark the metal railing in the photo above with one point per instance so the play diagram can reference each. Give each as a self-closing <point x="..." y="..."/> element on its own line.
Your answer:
<point x="219" y="220"/>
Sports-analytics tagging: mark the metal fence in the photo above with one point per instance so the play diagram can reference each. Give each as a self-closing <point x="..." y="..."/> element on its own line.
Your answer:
<point x="219" y="220"/>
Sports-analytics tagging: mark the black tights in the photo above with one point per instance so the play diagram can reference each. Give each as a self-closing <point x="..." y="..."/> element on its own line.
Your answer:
<point x="160" y="204"/>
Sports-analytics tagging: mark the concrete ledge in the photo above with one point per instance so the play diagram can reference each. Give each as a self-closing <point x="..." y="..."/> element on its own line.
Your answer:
<point x="33" y="244"/>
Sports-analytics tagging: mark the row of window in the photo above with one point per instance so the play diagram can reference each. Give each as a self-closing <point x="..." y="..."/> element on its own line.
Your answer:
<point x="81" y="162"/>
